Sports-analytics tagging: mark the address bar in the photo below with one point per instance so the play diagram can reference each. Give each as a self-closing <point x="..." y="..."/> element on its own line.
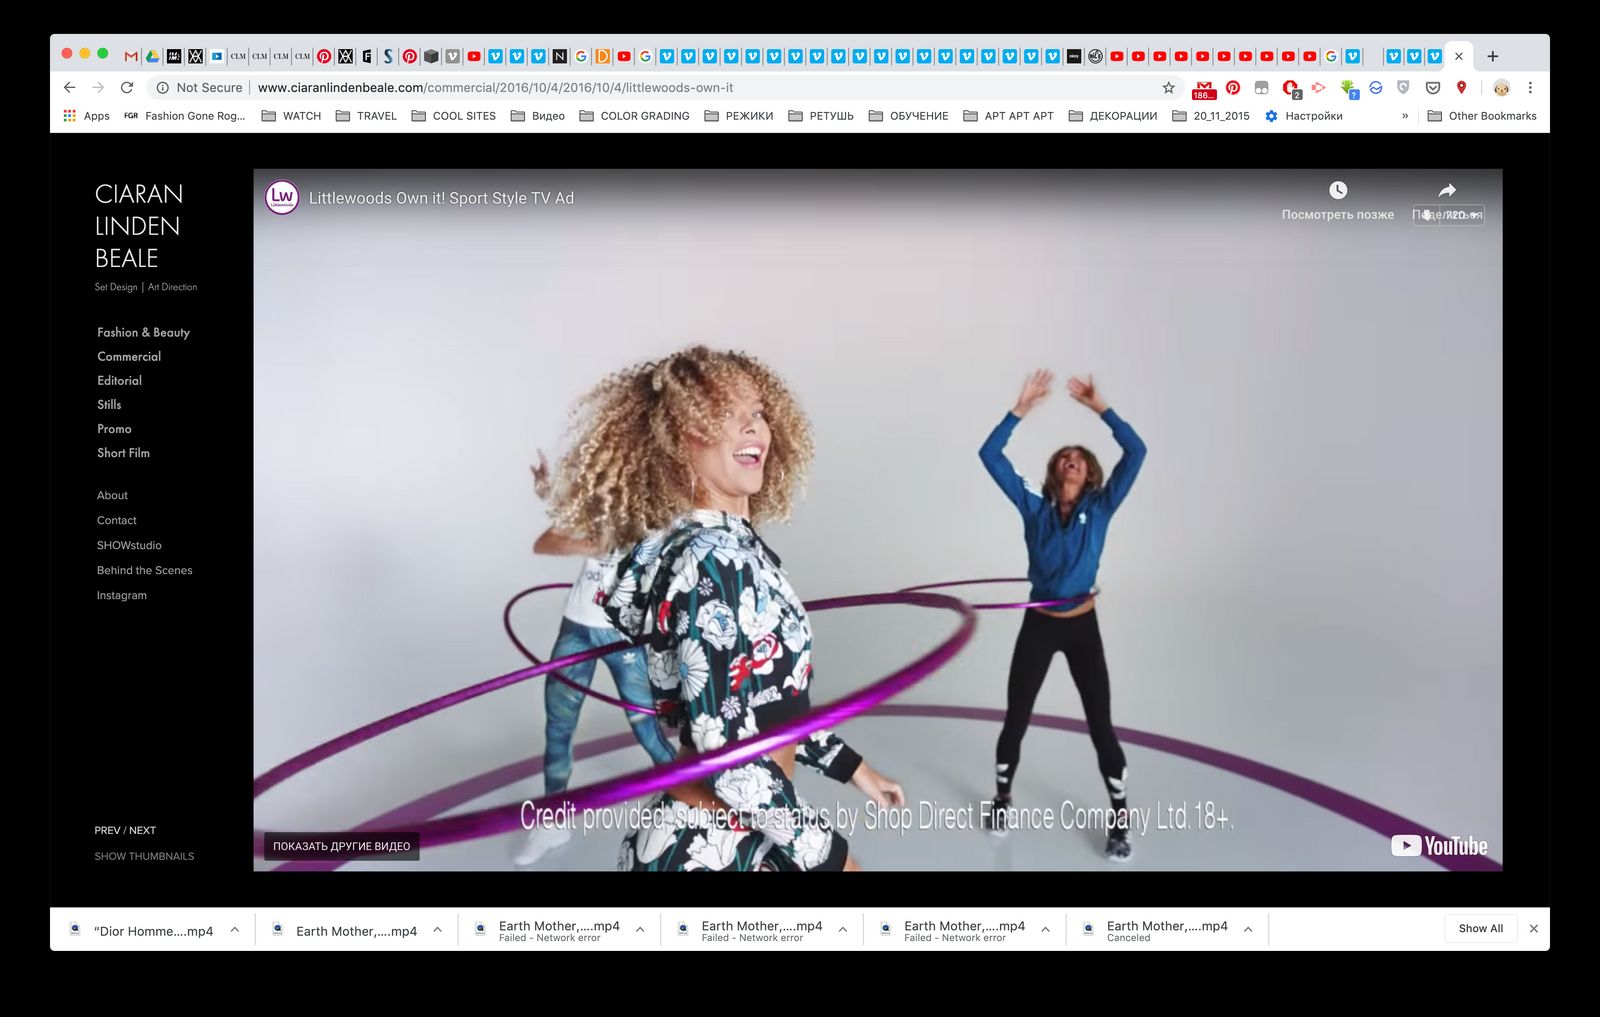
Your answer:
<point x="907" y="87"/>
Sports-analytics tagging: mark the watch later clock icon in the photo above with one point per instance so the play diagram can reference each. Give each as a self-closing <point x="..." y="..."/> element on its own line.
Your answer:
<point x="1337" y="189"/>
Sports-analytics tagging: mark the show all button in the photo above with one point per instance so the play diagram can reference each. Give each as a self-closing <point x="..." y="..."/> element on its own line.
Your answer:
<point x="1480" y="928"/>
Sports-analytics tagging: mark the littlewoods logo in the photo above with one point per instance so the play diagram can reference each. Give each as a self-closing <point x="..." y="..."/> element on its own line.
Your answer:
<point x="282" y="197"/>
<point x="1403" y="845"/>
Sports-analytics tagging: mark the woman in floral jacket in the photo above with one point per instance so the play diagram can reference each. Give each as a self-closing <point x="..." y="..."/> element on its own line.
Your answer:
<point x="680" y="458"/>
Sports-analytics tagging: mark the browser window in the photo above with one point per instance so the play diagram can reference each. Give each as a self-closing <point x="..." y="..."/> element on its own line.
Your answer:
<point x="1035" y="492"/>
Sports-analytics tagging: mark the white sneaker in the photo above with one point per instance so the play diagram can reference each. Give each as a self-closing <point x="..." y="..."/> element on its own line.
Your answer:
<point x="540" y="841"/>
<point x="1119" y="846"/>
<point x="998" y="820"/>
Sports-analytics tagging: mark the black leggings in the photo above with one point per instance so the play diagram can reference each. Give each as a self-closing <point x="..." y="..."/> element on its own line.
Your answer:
<point x="1040" y="639"/>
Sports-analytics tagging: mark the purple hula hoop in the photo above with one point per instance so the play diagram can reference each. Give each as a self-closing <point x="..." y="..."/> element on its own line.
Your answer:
<point x="1080" y="598"/>
<point x="505" y="619"/>
<point x="507" y="817"/>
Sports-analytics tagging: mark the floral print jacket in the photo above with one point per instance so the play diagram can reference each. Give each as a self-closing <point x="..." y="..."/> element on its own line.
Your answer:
<point x="728" y="649"/>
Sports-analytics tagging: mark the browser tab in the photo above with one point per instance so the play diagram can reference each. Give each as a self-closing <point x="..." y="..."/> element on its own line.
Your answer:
<point x="1460" y="56"/>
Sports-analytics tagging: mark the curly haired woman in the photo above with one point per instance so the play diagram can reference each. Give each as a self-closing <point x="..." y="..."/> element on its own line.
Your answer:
<point x="681" y="458"/>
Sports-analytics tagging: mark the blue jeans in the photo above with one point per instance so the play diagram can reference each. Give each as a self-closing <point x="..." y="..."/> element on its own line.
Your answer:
<point x="562" y="702"/>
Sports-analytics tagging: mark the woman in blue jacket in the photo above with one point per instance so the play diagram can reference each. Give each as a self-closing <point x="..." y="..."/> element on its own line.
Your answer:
<point x="1065" y="526"/>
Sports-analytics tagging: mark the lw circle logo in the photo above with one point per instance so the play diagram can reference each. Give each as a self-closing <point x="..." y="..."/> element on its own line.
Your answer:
<point x="282" y="197"/>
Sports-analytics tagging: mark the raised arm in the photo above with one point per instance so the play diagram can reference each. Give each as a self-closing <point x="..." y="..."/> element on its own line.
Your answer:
<point x="553" y="541"/>
<point x="1133" y="450"/>
<point x="993" y="452"/>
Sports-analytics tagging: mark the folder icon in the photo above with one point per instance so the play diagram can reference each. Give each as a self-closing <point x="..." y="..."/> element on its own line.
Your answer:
<point x="1180" y="115"/>
<point x="341" y="116"/>
<point x="712" y="115"/>
<point x="969" y="116"/>
<point x="418" y="117"/>
<point x="795" y="116"/>
<point x="1435" y="116"/>
<point x="518" y="116"/>
<point x="1074" y="116"/>
<point x="269" y="116"/>
<point x="585" y="116"/>
<point x="875" y="116"/>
